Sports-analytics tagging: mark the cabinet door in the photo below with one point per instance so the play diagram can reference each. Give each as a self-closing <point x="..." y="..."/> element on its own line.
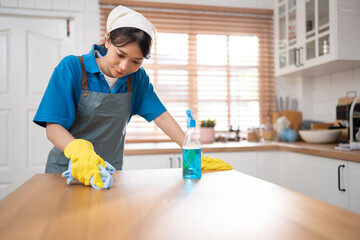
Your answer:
<point x="354" y="186"/>
<point x="281" y="35"/>
<point x="176" y="160"/>
<point x="244" y="162"/>
<point x="268" y="166"/>
<point x="31" y="46"/>
<point x="317" y="31"/>
<point x="151" y="161"/>
<point x="316" y="177"/>
<point x="288" y="36"/>
<point x="304" y="34"/>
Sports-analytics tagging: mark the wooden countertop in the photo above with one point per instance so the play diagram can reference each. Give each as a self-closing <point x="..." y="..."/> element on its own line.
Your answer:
<point x="323" y="150"/>
<point x="159" y="204"/>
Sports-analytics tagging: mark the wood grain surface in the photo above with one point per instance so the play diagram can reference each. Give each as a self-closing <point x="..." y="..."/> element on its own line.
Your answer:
<point x="159" y="204"/>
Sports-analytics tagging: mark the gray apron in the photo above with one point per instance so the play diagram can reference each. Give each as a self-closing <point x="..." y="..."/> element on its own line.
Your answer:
<point x="101" y="118"/>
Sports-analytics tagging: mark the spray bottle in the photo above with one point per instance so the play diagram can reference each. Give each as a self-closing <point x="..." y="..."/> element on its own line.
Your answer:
<point x="191" y="150"/>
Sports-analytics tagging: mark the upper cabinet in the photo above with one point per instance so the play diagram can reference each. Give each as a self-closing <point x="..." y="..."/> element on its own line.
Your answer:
<point x="316" y="37"/>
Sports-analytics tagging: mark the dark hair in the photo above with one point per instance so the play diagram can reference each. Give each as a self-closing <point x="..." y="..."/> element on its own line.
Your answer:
<point x="125" y="35"/>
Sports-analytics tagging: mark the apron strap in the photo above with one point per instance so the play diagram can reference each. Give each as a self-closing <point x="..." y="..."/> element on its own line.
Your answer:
<point x="129" y="83"/>
<point x="84" y="80"/>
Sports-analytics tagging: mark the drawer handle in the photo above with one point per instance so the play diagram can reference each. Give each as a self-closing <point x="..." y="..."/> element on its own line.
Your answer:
<point x="339" y="182"/>
<point x="171" y="162"/>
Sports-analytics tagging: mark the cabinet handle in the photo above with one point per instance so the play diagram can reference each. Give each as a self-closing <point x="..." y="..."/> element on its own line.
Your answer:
<point x="300" y="64"/>
<point x="171" y="162"/>
<point x="339" y="185"/>
<point x="179" y="159"/>
<point x="296" y="58"/>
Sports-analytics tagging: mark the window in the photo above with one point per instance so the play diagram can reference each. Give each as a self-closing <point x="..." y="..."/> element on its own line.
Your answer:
<point x="221" y="66"/>
<point x="168" y="71"/>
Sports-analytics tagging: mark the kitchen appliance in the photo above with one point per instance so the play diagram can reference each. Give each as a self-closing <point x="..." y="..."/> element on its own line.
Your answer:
<point x="348" y="111"/>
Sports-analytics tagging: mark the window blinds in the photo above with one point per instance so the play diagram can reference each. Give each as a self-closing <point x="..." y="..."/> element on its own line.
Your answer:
<point x="216" y="61"/>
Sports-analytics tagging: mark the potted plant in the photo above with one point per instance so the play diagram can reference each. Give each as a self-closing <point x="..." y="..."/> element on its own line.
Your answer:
<point x="207" y="131"/>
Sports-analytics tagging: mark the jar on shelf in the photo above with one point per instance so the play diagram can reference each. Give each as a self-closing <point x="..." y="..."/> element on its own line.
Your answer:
<point x="267" y="132"/>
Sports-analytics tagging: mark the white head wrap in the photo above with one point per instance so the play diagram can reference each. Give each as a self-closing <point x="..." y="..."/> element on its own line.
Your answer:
<point x="125" y="17"/>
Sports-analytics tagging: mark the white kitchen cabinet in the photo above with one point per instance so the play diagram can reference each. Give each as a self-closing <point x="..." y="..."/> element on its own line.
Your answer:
<point x="244" y="162"/>
<point x="316" y="37"/>
<point x="287" y="35"/>
<point x="151" y="161"/>
<point x="319" y="177"/>
<point x="268" y="166"/>
<point x="261" y="164"/>
<point x="354" y="187"/>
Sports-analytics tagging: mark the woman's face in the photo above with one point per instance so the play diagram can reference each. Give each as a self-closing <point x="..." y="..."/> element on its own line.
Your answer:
<point x="120" y="61"/>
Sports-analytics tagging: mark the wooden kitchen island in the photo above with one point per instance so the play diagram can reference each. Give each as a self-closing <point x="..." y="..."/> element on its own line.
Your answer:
<point x="159" y="204"/>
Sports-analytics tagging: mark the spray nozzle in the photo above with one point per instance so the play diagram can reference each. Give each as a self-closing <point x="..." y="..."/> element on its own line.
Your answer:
<point x="190" y="120"/>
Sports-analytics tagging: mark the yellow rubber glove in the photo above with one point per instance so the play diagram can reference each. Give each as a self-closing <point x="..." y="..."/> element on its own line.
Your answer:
<point x="85" y="162"/>
<point x="209" y="163"/>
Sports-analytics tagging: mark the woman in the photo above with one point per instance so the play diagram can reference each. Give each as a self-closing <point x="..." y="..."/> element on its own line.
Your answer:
<point x="90" y="99"/>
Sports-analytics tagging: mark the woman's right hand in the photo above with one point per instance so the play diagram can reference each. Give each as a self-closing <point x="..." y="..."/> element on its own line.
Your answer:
<point x="85" y="162"/>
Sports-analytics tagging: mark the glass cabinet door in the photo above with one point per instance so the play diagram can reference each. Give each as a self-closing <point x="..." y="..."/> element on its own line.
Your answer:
<point x="323" y="15"/>
<point x="292" y="56"/>
<point x="287" y="32"/>
<point x="292" y="22"/>
<point x="282" y="35"/>
<point x="324" y="27"/>
<point x="317" y="37"/>
<point x="310" y="51"/>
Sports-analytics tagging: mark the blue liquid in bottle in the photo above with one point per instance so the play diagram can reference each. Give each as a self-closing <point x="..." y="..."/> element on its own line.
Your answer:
<point x="191" y="150"/>
<point x="192" y="163"/>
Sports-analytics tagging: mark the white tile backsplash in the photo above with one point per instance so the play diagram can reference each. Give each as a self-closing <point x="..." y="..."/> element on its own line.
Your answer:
<point x="319" y="96"/>
<point x="325" y="111"/>
<point x="320" y="86"/>
<point x="341" y="82"/>
<point x="356" y="80"/>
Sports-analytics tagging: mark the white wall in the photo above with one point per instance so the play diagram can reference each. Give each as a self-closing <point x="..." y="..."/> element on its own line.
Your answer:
<point x="319" y="96"/>
<point x="262" y="4"/>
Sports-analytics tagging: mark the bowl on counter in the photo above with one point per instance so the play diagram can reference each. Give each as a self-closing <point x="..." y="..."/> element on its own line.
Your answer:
<point x="320" y="135"/>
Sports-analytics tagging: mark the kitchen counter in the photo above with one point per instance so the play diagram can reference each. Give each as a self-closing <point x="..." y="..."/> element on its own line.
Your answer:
<point x="323" y="150"/>
<point x="159" y="204"/>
